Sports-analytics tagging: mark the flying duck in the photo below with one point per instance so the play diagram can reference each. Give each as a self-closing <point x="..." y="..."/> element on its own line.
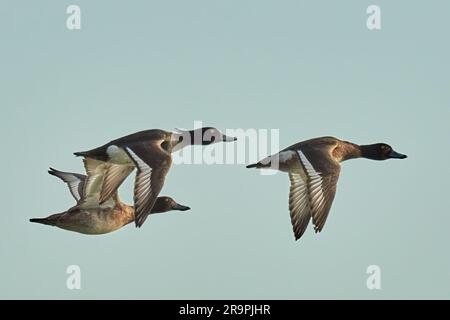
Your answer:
<point x="100" y="219"/>
<point x="313" y="167"/>
<point x="149" y="151"/>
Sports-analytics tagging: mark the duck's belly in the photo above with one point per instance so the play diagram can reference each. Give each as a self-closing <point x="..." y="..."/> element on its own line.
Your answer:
<point x="92" y="222"/>
<point x="118" y="156"/>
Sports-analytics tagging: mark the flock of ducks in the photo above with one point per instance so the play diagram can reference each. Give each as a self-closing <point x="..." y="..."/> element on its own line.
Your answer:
<point x="313" y="167"/>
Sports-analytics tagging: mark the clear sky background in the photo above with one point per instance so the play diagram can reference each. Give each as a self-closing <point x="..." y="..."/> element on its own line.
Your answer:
<point x="307" y="68"/>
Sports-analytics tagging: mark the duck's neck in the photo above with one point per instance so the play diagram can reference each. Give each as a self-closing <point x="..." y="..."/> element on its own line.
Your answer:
<point x="346" y="151"/>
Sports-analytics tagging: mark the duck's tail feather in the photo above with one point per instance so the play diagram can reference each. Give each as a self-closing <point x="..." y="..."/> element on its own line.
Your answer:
<point x="97" y="153"/>
<point x="43" y="221"/>
<point x="259" y="165"/>
<point x="80" y="154"/>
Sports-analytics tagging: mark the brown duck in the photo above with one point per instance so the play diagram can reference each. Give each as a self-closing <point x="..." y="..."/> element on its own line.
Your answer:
<point x="103" y="218"/>
<point x="313" y="167"/>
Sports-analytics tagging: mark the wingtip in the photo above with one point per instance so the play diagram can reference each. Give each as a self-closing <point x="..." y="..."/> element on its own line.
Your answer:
<point x="137" y="224"/>
<point x="139" y="221"/>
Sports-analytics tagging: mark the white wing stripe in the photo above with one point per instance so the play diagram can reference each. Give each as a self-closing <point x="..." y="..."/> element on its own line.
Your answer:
<point x="307" y="165"/>
<point x="143" y="185"/>
<point x="73" y="186"/>
<point x="316" y="190"/>
<point x="298" y="204"/>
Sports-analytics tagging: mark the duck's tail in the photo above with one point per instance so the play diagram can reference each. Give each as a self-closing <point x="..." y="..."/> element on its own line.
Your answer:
<point x="43" y="221"/>
<point x="80" y="154"/>
<point x="97" y="154"/>
<point x="258" y="165"/>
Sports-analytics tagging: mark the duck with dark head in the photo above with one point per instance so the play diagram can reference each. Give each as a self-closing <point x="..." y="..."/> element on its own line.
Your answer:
<point x="150" y="152"/>
<point x="314" y="167"/>
<point x="377" y="151"/>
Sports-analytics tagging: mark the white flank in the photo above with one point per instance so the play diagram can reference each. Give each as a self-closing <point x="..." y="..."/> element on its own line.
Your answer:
<point x="118" y="155"/>
<point x="286" y="155"/>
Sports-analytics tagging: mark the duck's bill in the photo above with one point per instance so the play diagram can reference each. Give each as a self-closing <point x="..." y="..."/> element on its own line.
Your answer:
<point x="396" y="155"/>
<point x="181" y="207"/>
<point x="228" y="139"/>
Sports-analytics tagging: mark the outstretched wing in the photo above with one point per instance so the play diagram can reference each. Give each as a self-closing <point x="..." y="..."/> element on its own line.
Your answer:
<point x="322" y="200"/>
<point x="312" y="190"/>
<point x="321" y="179"/>
<point x="74" y="181"/>
<point x="114" y="175"/>
<point x="153" y="164"/>
<point x="95" y="170"/>
<point x="299" y="204"/>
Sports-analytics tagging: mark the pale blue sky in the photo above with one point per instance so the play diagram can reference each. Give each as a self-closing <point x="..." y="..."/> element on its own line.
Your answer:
<point x="308" y="68"/>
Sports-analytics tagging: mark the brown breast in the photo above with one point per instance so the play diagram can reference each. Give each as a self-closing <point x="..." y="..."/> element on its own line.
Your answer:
<point x="345" y="150"/>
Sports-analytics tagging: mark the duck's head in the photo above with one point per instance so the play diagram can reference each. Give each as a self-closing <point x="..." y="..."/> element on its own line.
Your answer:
<point x="202" y="136"/>
<point x="164" y="204"/>
<point x="380" y="151"/>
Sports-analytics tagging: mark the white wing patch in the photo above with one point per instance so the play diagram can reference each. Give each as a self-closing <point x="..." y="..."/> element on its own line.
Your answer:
<point x="317" y="199"/>
<point x="142" y="188"/>
<point x="73" y="182"/>
<point x="74" y="187"/>
<point x="298" y="204"/>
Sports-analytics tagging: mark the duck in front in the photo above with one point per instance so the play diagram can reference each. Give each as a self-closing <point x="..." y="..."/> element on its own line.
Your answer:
<point x="98" y="218"/>
<point x="150" y="152"/>
<point x="313" y="167"/>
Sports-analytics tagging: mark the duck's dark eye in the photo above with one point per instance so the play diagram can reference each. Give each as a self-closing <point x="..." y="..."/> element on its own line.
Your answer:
<point x="386" y="149"/>
<point x="180" y="139"/>
<point x="213" y="138"/>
